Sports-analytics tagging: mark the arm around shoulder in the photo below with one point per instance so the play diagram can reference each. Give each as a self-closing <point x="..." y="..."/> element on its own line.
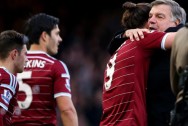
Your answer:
<point x="169" y="39"/>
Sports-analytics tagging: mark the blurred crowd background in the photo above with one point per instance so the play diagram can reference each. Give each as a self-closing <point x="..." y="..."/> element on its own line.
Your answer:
<point x="86" y="28"/>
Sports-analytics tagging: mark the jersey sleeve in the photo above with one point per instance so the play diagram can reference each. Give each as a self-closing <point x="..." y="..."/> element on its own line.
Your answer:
<point x="154" y="40"/>
<point x="61" y="80"/>
<point x="8" y="85"/>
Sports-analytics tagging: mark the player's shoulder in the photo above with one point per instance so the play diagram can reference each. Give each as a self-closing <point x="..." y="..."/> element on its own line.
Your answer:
<point x="40" y="55"/>
<point x="4" y="72"/>
<point x="59" y="63"/>
<point x="154" y="34"/>
<point x="6" y="76"/>
<point x="60" y="67"/>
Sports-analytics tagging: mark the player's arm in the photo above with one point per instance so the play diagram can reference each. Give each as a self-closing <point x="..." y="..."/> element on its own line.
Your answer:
<point x="67" y="111"/>
<point x="168" y="40"/>
<point x="6" y="95"/>
<point x="64" y="102"/>
<point x="122" y="36"/>
<point x="135" y="34"/>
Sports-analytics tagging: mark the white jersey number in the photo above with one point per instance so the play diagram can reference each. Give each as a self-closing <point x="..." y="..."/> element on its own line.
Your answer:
<point x="110" y="72"/>
<point x="25" y="88"/>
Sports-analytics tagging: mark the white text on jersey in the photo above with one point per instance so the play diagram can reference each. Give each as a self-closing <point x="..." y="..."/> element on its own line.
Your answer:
<point x="35" y="63"/>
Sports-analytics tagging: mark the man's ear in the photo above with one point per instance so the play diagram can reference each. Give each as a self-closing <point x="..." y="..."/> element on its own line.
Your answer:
<point x="13" y="54"/>
<point x="177" y="22"/>
<point x="44" y="36"/>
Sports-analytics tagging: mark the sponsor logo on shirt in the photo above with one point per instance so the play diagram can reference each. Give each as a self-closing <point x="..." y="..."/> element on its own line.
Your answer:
<point x="6" y="96"/>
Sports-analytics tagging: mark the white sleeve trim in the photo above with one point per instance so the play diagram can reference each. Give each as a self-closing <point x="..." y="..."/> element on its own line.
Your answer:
<point x="3" y="106"/>
<point x="163" y="41"/>
<point x="62" y="94"/>
<point x="9" y="87"/>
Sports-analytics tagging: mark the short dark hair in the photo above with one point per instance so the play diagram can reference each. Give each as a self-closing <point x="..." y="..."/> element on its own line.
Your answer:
<point x="135" y="15"/>
<point x="9" y="40"/>
<point x="37" y="24"/>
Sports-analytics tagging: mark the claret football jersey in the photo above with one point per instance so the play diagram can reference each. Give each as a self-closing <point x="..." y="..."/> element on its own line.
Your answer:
<point x="124" y="89"/>
<point x="8" y="95"/>
<point x="44" y="79"/>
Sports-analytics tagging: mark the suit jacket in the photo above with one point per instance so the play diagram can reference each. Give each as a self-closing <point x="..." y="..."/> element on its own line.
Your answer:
<point x="159" y="97"/>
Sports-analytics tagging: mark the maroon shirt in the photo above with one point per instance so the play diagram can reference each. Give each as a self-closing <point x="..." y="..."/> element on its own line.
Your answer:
<point x="8" y="100"/>
<point x="44" y="79"/>
<point x="125" y="77"/>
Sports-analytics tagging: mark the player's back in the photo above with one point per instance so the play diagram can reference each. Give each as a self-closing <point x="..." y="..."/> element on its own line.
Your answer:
<point x="9" y="87"/>
<point x="37" y="91"/>
<point x="125" y="82"/>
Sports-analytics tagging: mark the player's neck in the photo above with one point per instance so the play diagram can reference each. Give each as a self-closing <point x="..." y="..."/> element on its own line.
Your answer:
<point x="8" y="65"/>
<point x="36" y="47"/>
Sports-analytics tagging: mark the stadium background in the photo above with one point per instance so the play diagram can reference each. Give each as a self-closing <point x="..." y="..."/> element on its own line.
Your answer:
<point x="86" y="29"/>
